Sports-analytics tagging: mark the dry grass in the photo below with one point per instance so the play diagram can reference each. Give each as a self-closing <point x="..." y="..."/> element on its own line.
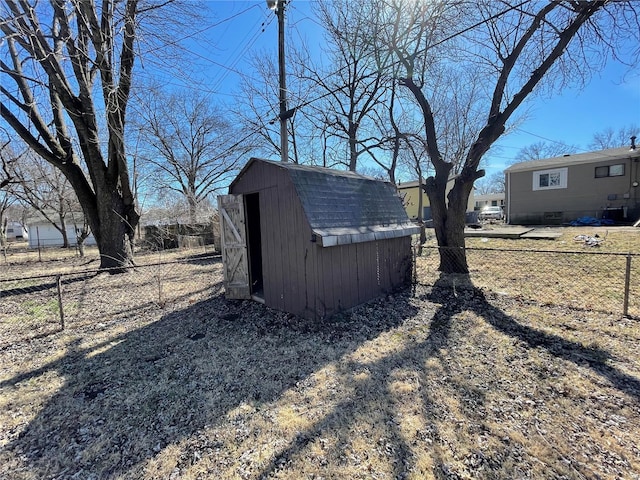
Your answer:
<point x="547" y="271"/>
<point x="438" y="384"/>
<point x="161" y="280"/>
<point x="30" y="262"/>
<point x="617" y="240"/>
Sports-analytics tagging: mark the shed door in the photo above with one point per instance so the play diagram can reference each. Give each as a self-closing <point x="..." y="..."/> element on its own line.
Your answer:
<point x="234" y="246"/>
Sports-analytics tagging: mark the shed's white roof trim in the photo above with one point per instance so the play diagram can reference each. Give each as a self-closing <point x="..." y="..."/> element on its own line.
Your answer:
<point x="345" y="236"/>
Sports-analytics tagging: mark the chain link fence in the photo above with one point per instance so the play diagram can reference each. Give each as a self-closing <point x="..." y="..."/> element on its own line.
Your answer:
<point x="588" y="280"/>
<point x="39" y="305"/>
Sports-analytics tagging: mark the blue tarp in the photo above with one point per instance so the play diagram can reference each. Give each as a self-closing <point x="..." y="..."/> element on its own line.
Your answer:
<point x="582" y="221"/>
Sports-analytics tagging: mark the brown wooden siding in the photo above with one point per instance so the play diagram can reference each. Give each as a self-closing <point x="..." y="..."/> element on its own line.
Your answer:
<point x="304" y="278"/>
<point x="353" y="274"/>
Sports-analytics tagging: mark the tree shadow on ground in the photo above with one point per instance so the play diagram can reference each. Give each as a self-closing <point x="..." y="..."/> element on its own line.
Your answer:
<point x="595" y="357"/>
<point x="469" y="298"/>
<point x="392" y="443"/>
<point x="124" y="400"/>
<point x="452" y="300"/>
<point x="204" y="258"/>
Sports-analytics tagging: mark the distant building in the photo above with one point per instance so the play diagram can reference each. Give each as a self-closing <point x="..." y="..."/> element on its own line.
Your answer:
<point x="16" y="232"/>
<point x="602" y="184"/>
<point x="44" y="234"/>
<point x="488" y="199"/>
<point x="410" y="194"/>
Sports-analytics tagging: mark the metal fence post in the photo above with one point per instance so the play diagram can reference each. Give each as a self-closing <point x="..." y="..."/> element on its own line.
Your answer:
<point x="627" y="282"/>
<point x="59" y="288"/>
<point x="39" y="251"/>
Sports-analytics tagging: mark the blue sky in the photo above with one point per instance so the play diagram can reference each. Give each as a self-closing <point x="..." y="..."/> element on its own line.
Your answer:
<point x="611" y="99"/>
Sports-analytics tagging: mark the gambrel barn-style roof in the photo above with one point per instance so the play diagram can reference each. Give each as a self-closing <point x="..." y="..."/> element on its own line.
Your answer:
<point x="345" y="207"/>
<point x="318" y="240"/>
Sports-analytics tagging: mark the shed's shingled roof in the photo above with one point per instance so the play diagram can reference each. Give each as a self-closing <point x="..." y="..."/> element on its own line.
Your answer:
<point x="345" y="207"/>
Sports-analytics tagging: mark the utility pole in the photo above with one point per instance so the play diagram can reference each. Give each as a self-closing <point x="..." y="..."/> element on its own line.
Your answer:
<point x="278" y="6"/>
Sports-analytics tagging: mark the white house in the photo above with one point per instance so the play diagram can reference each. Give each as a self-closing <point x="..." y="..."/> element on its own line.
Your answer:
<point x="16" y="231"/>
<point x="489" y="199"/>
<point x="42" y="233"/>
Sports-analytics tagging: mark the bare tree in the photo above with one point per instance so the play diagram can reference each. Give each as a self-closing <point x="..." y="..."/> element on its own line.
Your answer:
<point x="260" y="104"/>
<point x="542" y="150"/>
<point x="610" y="138"/>
<point x="6" y="196"/>
<point x="71" y="67"/>
<point x="46" y="190"/>
<point x="259" y="107"/>
<point x="8" y="159"/>
<point x="8" y="199"/>
<point x="352" y="111"/>
<point x="189" y="145"/>
<point x="493" y="183"/>
<point x="519" y="48"/>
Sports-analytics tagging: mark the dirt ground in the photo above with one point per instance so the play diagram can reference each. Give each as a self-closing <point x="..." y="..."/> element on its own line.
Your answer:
<point x="432" y="382"/>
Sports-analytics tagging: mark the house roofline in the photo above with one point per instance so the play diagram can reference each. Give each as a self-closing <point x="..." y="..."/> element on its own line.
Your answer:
<point x="611" y="154"/>
<point x="38" y="217"/>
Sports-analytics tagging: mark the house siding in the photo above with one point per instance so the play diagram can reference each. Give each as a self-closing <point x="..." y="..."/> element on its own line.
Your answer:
<point x="46" y="235"/>
<point x="301" y="276"/>
<point x="585" y="195"/>
<point x="490" y="199"/>
<point x="16" y="231"/>
<point x="411" y="200"/>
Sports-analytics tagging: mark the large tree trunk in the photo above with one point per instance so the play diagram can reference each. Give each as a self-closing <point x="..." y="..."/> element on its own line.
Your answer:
<point x="193" y="209"/>
<point x="114" y="233"/>
<point x="114" y="245"/>
<point x="100" y="44"/>
<point x="111" y="217"/>
<point x="449" y="222"/>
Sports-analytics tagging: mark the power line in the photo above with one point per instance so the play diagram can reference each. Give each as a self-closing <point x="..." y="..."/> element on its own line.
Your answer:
<point x="540" y="136"/>
<point x="424" y="50"/>
<point x="253" y="39"/>
<point x="238" y="56"/>
<point x="198" y="32"/>
<point x="228" y="68"/>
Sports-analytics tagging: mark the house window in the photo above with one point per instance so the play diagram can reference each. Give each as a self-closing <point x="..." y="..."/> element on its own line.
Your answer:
<point x="610" y="171"/>
<point x="550" y="179"/>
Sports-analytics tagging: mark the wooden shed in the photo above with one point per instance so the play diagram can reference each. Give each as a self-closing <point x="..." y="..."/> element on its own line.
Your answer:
<point x="312" y="241"/>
